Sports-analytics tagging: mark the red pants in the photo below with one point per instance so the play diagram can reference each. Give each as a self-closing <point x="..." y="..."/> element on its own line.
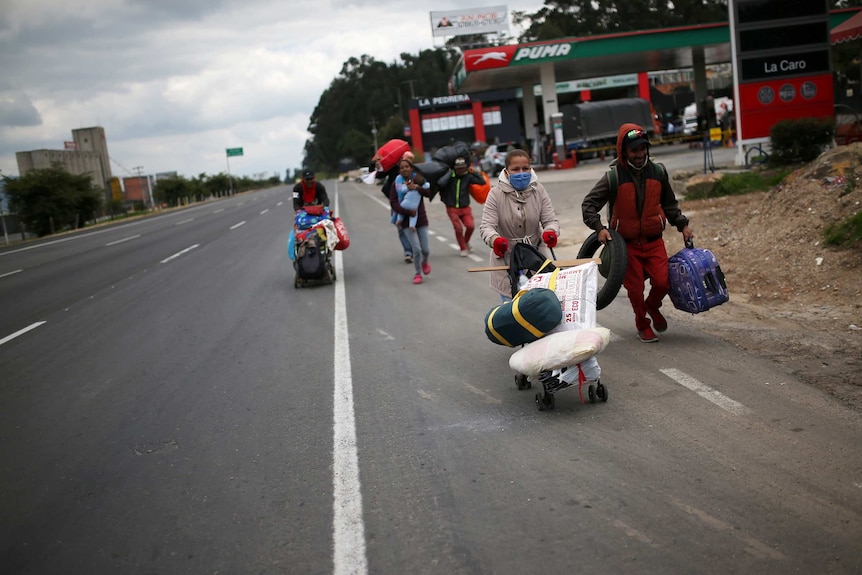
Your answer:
<point x="646" y="260"/>
<point x="462" y="221"/>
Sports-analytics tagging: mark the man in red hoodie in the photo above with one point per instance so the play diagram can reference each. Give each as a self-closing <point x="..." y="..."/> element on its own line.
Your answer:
<point x="641" y="203"/>
<point x="309" y="192"/>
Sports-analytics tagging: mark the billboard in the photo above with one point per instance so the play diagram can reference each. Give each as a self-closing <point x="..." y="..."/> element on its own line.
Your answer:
<point x="782" y="64"/>
<point x="470" y="21"/>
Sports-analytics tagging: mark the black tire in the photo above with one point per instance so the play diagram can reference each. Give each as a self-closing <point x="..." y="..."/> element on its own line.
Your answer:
<point x="612" y="268"/>
<point x="591" y="393"/>
<point x="522" y="382"/>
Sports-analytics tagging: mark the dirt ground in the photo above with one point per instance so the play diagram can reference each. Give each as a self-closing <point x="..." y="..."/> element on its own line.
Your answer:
<point x="791" y="298"/>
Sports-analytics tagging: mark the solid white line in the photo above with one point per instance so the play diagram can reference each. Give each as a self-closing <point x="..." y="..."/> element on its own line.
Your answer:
<point x="21" y="332"/>
<point x="122" y="240"/>
<point x="349" y="556"/>
<point x="706" y="392"/>
<point x="178" y="254"/>
<point x="235" y="226"/>
<point x="11" y="273"/>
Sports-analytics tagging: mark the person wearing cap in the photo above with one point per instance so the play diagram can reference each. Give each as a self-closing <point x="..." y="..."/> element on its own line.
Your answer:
<point x="455" y="195"/>
<point x="641" y="202"/>
<point x="309" y="192"/>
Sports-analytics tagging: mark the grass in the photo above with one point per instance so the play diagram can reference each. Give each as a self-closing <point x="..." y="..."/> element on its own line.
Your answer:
<point x="737" y="184"/>
<point x="845" y="232"/>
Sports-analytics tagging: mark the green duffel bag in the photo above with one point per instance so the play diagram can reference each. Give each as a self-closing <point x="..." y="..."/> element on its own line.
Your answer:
<point x="529" y="316"/>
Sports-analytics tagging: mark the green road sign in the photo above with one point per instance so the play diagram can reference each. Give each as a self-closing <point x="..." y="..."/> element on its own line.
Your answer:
<point x="234" y="152"/>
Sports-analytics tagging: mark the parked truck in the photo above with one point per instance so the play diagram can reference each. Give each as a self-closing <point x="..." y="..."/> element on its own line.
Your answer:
<point x="594" y="125"/>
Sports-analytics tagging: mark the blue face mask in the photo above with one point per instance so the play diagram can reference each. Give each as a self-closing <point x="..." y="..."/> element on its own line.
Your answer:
<point x="520" y="180"/>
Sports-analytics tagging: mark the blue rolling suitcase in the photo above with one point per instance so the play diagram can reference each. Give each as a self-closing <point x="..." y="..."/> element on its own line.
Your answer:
<point x="696" y="280"/>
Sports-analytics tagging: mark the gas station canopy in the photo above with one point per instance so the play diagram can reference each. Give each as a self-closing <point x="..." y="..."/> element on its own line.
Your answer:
<point x="591" y="57"/>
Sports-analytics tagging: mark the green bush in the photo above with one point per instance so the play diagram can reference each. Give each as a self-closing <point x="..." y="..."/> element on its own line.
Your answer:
<point x="800" y="140"/>
<point x="847" y="232"/>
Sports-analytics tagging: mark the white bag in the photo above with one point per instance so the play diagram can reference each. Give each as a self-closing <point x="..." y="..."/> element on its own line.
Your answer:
<point x="370" y="177"/>
<point x="576" y="288"/>
<point x="561" y="349"/>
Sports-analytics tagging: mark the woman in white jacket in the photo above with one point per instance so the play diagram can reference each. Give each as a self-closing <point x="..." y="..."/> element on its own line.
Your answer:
<point x="518" y="209"/>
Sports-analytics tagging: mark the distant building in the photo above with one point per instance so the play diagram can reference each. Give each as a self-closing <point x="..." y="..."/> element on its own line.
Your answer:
<point x="91" y="157"/>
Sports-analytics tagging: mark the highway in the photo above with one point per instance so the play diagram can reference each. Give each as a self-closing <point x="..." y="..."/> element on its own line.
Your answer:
<point x="172" y="404"/>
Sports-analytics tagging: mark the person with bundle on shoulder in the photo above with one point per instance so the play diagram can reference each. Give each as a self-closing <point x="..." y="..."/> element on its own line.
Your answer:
<point x="518" y="209"/>
<point x="641" y="201"/>
<point x="455" y="195"/>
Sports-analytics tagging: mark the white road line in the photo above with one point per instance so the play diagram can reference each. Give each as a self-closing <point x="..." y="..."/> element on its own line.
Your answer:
<point x="11" y="273"/>
<point x="21" y="332"/>
<point x="178" y="254"/>
<point x="235" y="226"/>
<point x="348" y="527"/>
<point x="181" y="222"/>
<point x="122" y="240"/>
<point x="279" y="203"/>
<point x="706" y="392"/>
<point x="218" y="211"/>
<point x="264" y="211"/>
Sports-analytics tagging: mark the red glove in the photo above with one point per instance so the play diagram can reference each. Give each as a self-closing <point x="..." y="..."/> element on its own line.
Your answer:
<point x="501" y="246"/>
<point x="550" y="238"/>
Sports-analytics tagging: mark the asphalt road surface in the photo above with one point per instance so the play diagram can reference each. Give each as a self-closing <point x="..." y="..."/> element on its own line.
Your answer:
<point x="172" y="404"/>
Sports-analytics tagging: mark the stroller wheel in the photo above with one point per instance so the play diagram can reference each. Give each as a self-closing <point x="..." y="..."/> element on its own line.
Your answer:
<point x="602" y="391"/>
<point x="591" y="393"/>
<point x="545" y="402"/>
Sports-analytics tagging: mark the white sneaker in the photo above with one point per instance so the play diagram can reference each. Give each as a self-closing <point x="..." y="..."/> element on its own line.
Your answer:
<point x="469" y="249"/>
<point x="463" y="253"/>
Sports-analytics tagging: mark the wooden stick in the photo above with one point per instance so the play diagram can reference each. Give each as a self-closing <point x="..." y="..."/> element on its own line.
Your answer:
<point x="557" y="263"/>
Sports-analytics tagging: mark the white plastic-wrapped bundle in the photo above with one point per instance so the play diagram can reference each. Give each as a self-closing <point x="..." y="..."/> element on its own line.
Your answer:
<point x="561" y="349"/>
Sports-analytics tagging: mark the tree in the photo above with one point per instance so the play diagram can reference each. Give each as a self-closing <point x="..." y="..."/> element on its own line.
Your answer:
<point x="173" y="191"/>
<point x="51" y="199"/>
<point x="367" y="94"/>
<point x="579" y="18"/>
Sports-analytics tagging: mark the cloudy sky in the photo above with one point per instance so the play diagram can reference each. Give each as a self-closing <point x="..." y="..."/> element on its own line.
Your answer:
<point x="175" y="82"/>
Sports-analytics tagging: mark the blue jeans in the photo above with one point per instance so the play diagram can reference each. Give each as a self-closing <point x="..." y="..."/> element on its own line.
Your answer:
<point x="419" y="244"/>
<point x="405" y="243"/>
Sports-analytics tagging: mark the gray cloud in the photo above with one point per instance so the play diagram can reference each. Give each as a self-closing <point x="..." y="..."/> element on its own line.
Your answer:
<point x="17" y="110"/>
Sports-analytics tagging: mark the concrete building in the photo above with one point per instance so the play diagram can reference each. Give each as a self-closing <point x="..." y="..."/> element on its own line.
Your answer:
<point x="89" y="156"/>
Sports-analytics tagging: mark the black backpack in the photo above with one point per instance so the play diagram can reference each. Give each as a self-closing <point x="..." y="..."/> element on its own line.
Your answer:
<point x="526" y="259"/>
<point x="311" y="257"/>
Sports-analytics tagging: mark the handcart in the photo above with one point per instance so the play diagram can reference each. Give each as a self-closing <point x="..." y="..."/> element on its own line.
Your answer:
<point x="525" y="262"/>
<point x="314" y="238"/>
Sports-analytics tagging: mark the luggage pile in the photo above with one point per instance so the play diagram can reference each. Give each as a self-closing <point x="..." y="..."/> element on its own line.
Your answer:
<point x="553" y="317"/>
<point x="316" y="234"/>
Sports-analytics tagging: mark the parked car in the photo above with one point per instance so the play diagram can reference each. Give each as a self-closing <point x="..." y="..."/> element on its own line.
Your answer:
<point x="494" y="159"/>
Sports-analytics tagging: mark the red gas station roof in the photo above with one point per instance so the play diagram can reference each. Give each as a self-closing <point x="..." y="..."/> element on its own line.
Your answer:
<point x="850" y="29"/>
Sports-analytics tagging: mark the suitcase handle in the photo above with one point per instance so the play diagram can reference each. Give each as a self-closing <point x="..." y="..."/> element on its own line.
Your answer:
<point x="689" y="244"/>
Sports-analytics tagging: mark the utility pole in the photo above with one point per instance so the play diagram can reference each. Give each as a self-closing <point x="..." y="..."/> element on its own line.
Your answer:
<point x="3" y="217"/>
<point x="139" y="172"/>
<point x="374" y="132"/>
